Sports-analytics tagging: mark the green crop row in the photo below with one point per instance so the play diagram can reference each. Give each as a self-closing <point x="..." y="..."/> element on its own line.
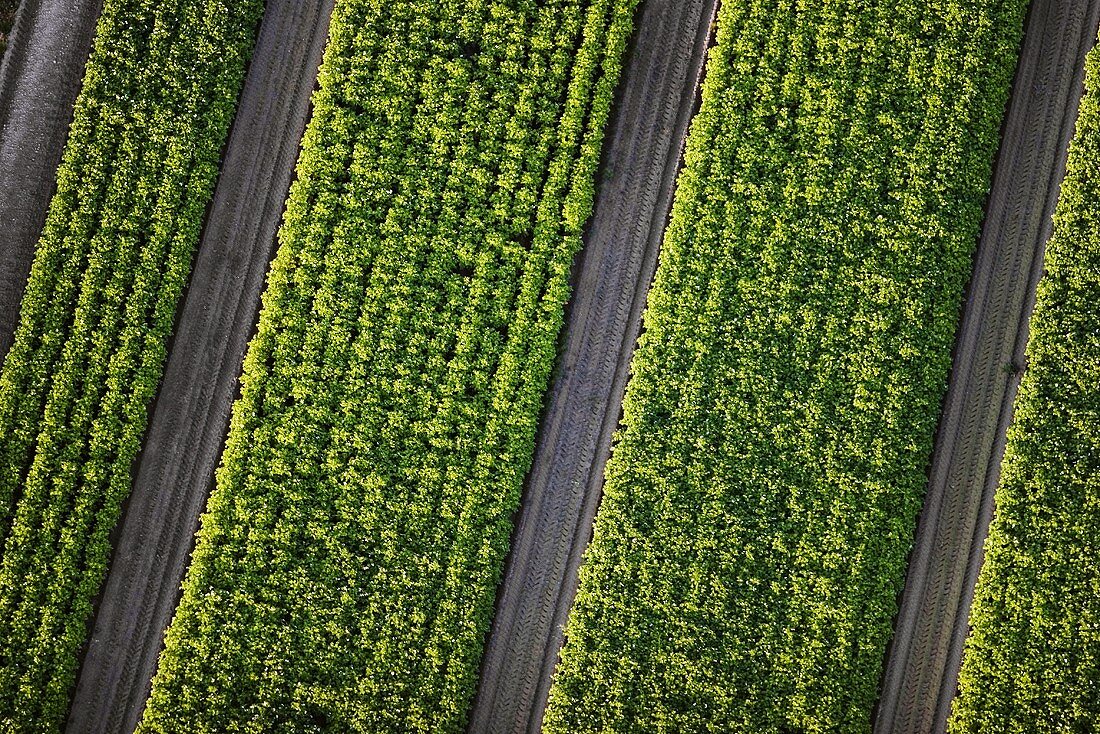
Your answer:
<point x="137" y="172"/>
<point x="345" y="573"/>
<point x="1032" y="661"/>
<point x="762" y="494"/>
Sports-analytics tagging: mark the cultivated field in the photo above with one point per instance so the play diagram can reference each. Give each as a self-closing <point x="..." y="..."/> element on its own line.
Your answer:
<point x="100" y="301"/>
<point x="719" y="459"/>
<point x="346" y="567"/>
<point x="1032" y="662"/>
<point x="187" y="429"/>
<point x="39" y="79"/>
<point x="922" y="666"/>
<point x="645" y="141"/>
<point x="761" y="498"/>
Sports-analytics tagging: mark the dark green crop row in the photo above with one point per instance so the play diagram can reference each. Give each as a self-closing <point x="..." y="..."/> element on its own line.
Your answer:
<point x="137" y="172"/>
<point x="1032" y="662"/>
<point x="762" y="494"/>
<point x="346" y="568"/>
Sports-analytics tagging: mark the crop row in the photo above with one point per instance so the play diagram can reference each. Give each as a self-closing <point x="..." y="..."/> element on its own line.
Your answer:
<point x="345" y="571"/>
<point x="762" y="494"/>
<point x="137" y="171"/>
<point x="1032" y="662"/>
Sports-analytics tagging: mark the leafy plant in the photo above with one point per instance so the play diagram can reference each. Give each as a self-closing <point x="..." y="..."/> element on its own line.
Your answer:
<point x="138" y="169"/>
<point x="762" y="494"/>
<point x="1032" y="662"/>
<point x="345" y="573"/>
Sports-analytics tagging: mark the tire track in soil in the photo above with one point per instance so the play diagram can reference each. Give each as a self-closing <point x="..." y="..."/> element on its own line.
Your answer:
<point x="657" y="98"/>
<point x="922" y="665"/>
<point x="40" y="76"/>
<point x="175" y="471"/>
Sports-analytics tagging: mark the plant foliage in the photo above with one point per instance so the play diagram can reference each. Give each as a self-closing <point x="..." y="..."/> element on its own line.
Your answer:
<point x="138" y="169"/>
<point x="1032" y="662"/>
<point x="762" y="494"/>
<point x="345" y="572"/>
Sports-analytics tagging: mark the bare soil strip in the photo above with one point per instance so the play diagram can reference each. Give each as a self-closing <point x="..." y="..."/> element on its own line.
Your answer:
<point x="40" y="76"/>
<point x="642" y="157"/>
<point x="190" y="419"/>
<point x="922" y="667"/>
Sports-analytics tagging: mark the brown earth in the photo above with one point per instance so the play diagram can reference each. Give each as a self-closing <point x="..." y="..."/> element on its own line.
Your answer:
<point x="190" y="419"/>
<point x="644" y="147"/>
<point x="922" y="666"/>
<point x="40" y="76"/>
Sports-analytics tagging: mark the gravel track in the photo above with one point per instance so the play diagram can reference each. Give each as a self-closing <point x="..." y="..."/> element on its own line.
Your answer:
<point x="189" y="421"/>
<point x="40" y="76"/>
<point x="922" y="666"/>
<point x="643" y="151"/>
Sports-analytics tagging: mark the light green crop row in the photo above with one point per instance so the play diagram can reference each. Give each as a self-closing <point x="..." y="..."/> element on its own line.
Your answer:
<point x="762" y="494"/>
<point x="137" y="172"/>
<point x="1032" y="662"/>
<point x="346" y="568"/>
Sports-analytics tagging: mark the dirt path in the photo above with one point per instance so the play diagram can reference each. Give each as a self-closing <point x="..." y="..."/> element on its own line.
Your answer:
<point x="40" y="76"/>
<point x="923" y="663"/>
<point x="642" y="157"/>
<point x="190" y="419"/>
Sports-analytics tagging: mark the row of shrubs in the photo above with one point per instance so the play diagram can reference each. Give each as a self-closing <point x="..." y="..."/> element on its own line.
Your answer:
<point x="137" y="172"/>
<point x="762" y="494"/>
<point x="345" y="573"/>
<point x="1032" y="661"/>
